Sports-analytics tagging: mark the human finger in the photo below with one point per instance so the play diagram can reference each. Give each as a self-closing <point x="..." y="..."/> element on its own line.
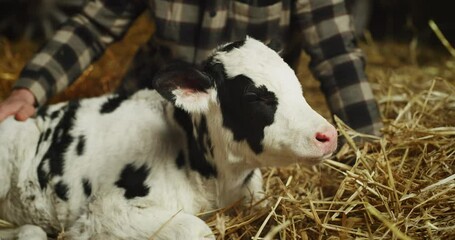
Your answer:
<point x="25" y="112"/>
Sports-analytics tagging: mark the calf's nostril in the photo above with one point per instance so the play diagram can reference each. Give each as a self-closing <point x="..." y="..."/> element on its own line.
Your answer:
<point x="321" y="137"/>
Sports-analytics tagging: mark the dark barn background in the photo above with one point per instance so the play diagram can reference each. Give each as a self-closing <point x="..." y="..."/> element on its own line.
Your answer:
<point x="403" y="20"/>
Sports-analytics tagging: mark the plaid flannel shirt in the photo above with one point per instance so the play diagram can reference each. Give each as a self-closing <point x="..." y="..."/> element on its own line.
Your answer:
<point x="190" y="29"/>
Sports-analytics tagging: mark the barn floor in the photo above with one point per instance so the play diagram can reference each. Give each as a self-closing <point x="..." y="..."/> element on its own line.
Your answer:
<point x="402" y="185"/>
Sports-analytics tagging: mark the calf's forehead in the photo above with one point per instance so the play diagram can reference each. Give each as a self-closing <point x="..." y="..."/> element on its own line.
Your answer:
<point x="259" y="63"/>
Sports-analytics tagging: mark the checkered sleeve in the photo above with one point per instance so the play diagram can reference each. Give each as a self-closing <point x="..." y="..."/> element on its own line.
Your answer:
<point x="78" y="43"/>
<point x="338" y="63"/>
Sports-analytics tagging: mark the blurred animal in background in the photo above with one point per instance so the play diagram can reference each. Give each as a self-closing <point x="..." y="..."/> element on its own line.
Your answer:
<point x="141" y="166"/>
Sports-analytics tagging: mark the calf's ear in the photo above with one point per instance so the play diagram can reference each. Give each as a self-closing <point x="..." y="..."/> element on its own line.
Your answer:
<point x="187" y="87"/>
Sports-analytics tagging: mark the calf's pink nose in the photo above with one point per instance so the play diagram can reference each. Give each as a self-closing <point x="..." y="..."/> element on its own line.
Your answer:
<point x="321" y="137"/>
<point x="327" y="140"/>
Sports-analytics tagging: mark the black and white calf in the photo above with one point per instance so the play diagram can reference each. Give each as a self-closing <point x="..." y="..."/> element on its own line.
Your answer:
<point x="141" y="166"/>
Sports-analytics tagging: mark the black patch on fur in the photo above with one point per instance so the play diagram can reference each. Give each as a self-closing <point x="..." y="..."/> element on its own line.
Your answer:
<point x="180" y="160"/>
<point x="42" y="111"/>
<point x="55" y="114"/>
<point x="132" y="179"/>
<point x="61" y="140"/>
<point x="197" y="159"/>
<point x="47" y="134"/>
<point x="80" y="145"/>
<point x="229" y="47"/>
<point x="61" y="190"/>
<point x="180" y="75"/>
<point x="248" y="178"/>
<point x="39" y="142"/>
<point x="113" y="103"/>
<point x="42" y="175"/>
<point x="87" y="187"/>
<point x="246" y="109"/>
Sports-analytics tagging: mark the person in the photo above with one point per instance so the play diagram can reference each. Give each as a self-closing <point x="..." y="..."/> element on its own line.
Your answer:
<point x="189" y="30"/>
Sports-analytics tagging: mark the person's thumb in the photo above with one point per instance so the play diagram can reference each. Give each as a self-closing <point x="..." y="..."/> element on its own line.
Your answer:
<point x="25" y="112"/>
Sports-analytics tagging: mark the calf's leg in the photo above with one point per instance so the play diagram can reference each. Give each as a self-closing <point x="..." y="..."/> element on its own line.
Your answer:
<point x="111" y="218"/>
<point x="31" y="232"/>
<point x="25" y="232"/>
<point x="252" y="190"/>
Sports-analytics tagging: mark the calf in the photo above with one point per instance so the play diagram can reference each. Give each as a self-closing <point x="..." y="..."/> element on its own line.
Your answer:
<point x="141" y="166"/>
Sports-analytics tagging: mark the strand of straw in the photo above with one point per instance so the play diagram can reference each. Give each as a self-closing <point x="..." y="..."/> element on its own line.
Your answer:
<point x="441" y="37"/>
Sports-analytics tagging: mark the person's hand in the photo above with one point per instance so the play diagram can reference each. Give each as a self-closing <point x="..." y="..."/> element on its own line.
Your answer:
<point x="20" y="103"/>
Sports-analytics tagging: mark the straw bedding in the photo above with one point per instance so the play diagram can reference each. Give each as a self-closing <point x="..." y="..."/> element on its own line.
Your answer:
<point x="402" y="186"/>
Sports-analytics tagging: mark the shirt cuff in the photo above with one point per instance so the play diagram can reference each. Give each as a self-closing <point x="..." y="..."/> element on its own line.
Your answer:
<point x="37" y="89"/>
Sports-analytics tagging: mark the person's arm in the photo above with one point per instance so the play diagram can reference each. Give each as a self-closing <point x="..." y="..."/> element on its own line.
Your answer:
<point x="338" y="63"/>
<point x="77" y="44"/>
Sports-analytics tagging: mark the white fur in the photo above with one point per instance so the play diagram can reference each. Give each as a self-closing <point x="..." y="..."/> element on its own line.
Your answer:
<point x="195" y="102"/>
<point x="142" y="131"/>
<point x="290" y="138"/>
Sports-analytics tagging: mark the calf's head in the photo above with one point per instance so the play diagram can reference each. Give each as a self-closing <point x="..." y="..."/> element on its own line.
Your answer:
<point x="253" y="104"/>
